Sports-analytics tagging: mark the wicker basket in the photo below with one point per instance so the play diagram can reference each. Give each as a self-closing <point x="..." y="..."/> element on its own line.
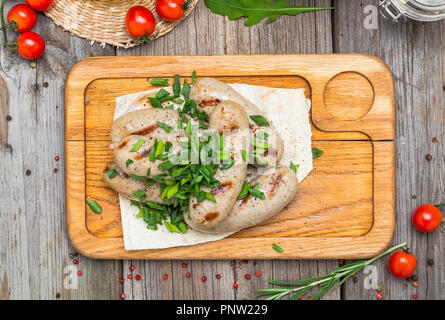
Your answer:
<point x="104" y="20"/>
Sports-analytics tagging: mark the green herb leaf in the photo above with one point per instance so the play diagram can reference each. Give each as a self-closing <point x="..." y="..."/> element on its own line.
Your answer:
<point x="168" y="146"/>
<point x="277" y="248"/>
<point x="139" y="193"/>
<point x="162" y="94"/>
<point x="167" y="165"/>
<point x="226" y="166"/>
<point x="94" y="206"/>
<point x="112" y="173"/>
<point x="159" y="82"/>
<point x="128" y="162"/>
<point x="317" y="152"/>
<point x="176" y="86"/>
<point x="137" y="145"/>
<point x="255" y="192"/>
<point x="244" y="190"/>
<point x="155" y="102"/>
<point x="257" y="10"/>
<point x="186" y="89"/>
<point x="260" y="120"/>
<point x="294" y="167"/>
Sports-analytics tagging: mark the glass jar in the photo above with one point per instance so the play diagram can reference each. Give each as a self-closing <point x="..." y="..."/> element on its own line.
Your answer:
<point x="420" y="10"/>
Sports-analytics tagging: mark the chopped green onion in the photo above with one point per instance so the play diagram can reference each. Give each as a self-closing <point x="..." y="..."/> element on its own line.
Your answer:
<point x="164" y="126"/>
<point x="155" y="102"/>
<point x="260" y="160"/>
<point x="259" y="144"/>
<point x="244" y="155"/>
<point x="168" y="146"/>
<point x="148" y="172"/>
<point x="177" y="101"/>
<point x="171" y="227"/>
<point x="128" y="162"/>
<point x="317" y="152"/>
<point x="137" y="145"/>
<point x="260" y="120"/>
<point x="257" y="193"/>
<point x="94" y="206"/>
<point x="186" y="89"/>
<point x="244" y="190"/>
<point x="294" y="167"/>
<point x="159" y="82"/>
<point x="134" y="176"/>
<point x="226" y="166"/>
<point x="277" y="248"/>
<point x="162" y="94"/>
<point x="139" y="193"/>
<point x="159" y="148"/>
<point x="263" y="135"/>
<point x="167" y="165"/>
<point x="176" y="86"/>
<point x="194" y="77"/>
<point x="112" y="173"/>
<point x="182" y="226"/>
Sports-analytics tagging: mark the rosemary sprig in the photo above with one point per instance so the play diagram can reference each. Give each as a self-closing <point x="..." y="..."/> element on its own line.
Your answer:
<point x="325" y="282"/>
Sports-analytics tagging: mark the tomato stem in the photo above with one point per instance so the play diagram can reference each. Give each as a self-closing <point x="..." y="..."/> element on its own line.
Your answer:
<point x="2" y="17"/>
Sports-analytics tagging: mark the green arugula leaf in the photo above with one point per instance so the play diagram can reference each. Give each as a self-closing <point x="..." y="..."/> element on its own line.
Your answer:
<point x="317" y="152"/>
<point x="257" y="10"/>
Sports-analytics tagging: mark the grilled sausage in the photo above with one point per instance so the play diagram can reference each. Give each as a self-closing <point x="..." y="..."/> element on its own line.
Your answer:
<point x="144" y="123"/>
<point x="140" y="159"/>
<point x="231" y="119"/>
<point x="208" y="93"/>
<point x="126" y="186"/>
<point x="279" y="186"/>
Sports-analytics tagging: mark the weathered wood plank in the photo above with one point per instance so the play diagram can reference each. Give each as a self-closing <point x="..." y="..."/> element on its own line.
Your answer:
<point x="200" y="33"/>
<point x="415" y="53"/>
<point x="34" y="247"/>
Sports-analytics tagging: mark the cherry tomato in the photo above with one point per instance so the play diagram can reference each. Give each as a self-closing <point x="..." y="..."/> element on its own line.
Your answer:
<point x="427" y="218"/>
<point x="170" y="10"/>
<point x="24" y="16"/>
<point x="139" y="20"/>
<point x="402" y="264"/>
<point x="30" y="45"/>
<point x="40" y="5"/>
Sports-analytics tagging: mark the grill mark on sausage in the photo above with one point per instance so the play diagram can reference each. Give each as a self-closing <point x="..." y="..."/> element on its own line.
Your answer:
<point x="275" y="183"/>
<point x="146" y="131"/>
<point x="123" y="144"/>
<point x="221" y="188"/>
<point x="244" y="201"/>
<point x="209" y="102"/>
<point x="211" y="216"/>
<point x="270" y="152"/>
<point x="143" y="154"/>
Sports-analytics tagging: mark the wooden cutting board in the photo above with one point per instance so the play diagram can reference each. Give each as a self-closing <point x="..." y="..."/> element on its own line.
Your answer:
<point x="344" y="209"/>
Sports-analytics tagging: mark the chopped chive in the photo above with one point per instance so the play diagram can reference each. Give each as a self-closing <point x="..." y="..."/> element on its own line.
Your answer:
<point x="134" y="176"/>
<point x="261" y="135"/>
<point x="193" y="76"/>
<point x="148" y="172"/>
<point x="159" y="148"/>
<point x="137" y="145"/>
<point x="317" y="152"/>
<point x="277" y="248"/>
<point x="95" y="207"/>
<point x="259" y="151"/>
<point x="155" y="102"/>
<point x="152" y="156"/>
<point x="182" y="226"/>
<point x="128" y="162"/>
<point x="172" y="190"/>
<point x="177" y="101"/>
<point x="167" y="165"/>
<point x="112" y="173"/>
<point x="186" y="89"/>
<point x="164" y="126"/>
<point x="260" y="120"/>
<point x="260" y="160"/>
<point x="188" y="128"/>
<point x="168" y="146"/>
<point x="244" y="155"/>
<point x="180" y="122"/>
<point x="176" y="86"/>
<point x="294" y="167"/>
<point x="226" y="166"/>
<point x="139" y="193"/>
<point x="224" y="155"/>
<point x="259" y="144"/>
<point x="244" y="190"/>
<point x="255" y="192"/>
<point x="159" y="82"/>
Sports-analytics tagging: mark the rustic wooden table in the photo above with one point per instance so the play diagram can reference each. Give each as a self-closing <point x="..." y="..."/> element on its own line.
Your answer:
<point x="34" y="247"/>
